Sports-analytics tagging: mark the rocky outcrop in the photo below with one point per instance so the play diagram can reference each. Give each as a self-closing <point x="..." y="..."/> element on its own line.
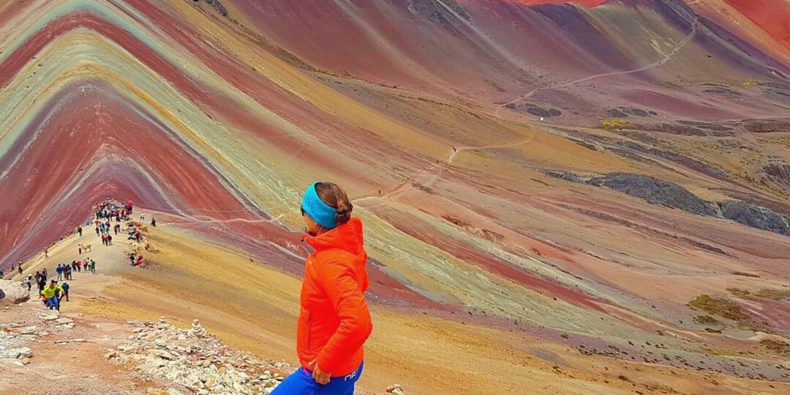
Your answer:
<point x="707" y="125"/>
<point x="564" y="175"/>
<point x="625" y="112"/>
<point x="195" y="361"/>
<point x="720" y="89"/>
<point x="532" y="109"/>
<point x="755" y="216"/>
<point x="217" y="5"/>
<point x="13" y="292"/>
<point x="777" y="173"/>
<point x="669" y="194"/>
<point x="687" y="128"/>
<point x="443" y="12"/>
<point x="655" y="191"/>
<point x="767" y="125"/>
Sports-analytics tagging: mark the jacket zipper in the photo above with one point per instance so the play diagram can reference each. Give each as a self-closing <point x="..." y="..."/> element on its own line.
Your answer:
<point x="309" y="321"/>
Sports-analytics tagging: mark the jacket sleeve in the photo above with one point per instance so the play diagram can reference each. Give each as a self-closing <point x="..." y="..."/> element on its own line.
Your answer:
<point x="338" y="283"/>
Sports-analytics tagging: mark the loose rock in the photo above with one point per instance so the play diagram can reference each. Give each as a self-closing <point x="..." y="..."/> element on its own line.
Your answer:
<point x="194" y="361"/>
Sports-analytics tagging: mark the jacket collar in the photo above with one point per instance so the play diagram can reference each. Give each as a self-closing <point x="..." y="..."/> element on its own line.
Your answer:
<point x="347" y="237"/>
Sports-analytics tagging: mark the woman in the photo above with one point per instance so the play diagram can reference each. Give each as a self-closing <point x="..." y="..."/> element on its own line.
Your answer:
<point x="334" y="320"/>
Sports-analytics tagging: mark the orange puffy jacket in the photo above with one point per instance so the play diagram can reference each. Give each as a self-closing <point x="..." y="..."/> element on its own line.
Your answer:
<point x="334" y="320"/>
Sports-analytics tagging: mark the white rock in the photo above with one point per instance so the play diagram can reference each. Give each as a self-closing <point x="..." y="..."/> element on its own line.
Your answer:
<point x="28" y="330"/>
<point x="50" y="315"/>
<point x="14" y="353"/>
<point x="13" y="291"/>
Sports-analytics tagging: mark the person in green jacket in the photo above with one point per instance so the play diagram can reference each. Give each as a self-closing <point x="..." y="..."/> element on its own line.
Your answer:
<point x="49" y="294"/>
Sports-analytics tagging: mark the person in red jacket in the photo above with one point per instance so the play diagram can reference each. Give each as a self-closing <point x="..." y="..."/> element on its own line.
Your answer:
<point x="334" y="319"/>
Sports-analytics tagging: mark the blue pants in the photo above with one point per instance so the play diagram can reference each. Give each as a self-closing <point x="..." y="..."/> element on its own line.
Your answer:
<point x="54" y="303"/>
<point x="301" y="382"/>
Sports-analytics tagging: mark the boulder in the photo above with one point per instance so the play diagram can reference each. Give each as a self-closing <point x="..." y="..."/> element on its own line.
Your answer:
<point x="13" y="292"/>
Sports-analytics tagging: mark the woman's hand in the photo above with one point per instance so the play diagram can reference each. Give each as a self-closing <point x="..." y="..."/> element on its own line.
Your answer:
<point x="319" y="376"/>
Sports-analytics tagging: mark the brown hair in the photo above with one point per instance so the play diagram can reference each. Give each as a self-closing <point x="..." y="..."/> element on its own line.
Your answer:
<point x="332" y="195"/>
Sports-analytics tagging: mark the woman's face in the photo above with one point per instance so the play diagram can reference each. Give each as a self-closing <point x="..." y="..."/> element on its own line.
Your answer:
<point x="311" y="226"/>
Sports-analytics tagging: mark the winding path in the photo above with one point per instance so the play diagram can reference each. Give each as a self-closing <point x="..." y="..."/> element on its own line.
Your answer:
<point x="667" y="57"/>
<point x="403" y="185"/>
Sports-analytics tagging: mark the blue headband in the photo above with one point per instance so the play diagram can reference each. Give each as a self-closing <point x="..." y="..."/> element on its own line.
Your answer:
<point x="322" y="213"/>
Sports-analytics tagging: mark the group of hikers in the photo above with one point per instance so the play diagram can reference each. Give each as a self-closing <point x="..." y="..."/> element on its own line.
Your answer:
<point x="64" y="271"/>
<point x="106" y="212"/>
<point x="109" y="210"/>
<point x="57" y="289"/>
<point x="51" y="294"/>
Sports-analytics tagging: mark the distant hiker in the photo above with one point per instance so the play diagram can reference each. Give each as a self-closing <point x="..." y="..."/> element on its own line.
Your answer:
<point x="109" y="239"/>
<point x="131" y="258"/>
<point x="49" y="295"/>
<point x="59" y="271"/>
<point x="142" y="216"/>
<point x="153" y="221"/>
<point x="1" y="274"/>
<point x="29" y="282"/>
<point x="73" y="265"/>
<point x="79" y="265"/>
<point x="19" y="268"/>
<point x="97" y="229"/>
<point x="93" y="266"/>
<point x="79" y="249"/>
<point x="334" y="319"/>
<point x="46" y="252"/>
<point x="67" y="271"/>
<point x="44" y="274"/>
<point x="65" y="287"/>
<point x="79" y="230"/>
<point x="41" y="282"/>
